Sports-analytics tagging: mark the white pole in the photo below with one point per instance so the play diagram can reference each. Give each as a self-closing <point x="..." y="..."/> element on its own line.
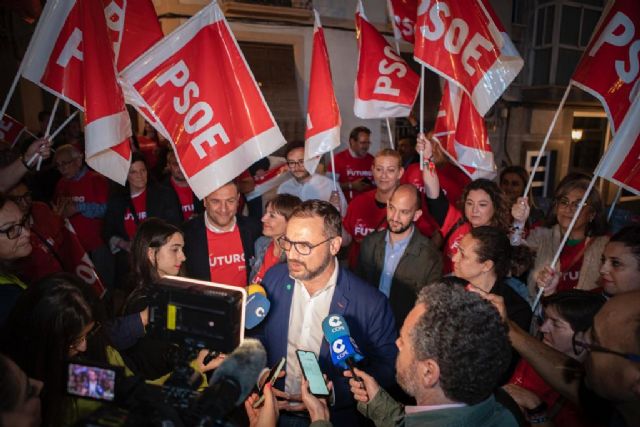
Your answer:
<point x="333" y="168"/>
<point x="421" y="126"/>
<point x="613" y="204"/>
<point x="390" y="134"/>
<point x="66" y="122"/>
<point x="12" y="89"/>
<point x="546" y="141"/>
<point x="450" y="157"/>
<point x="52" y="118"/>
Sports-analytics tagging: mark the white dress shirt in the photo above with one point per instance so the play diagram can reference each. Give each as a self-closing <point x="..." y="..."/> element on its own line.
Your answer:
<point x="318" y="187"/>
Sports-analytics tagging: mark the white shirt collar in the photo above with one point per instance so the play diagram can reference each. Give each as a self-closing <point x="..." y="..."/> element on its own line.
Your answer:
<point x="211" y="227"/>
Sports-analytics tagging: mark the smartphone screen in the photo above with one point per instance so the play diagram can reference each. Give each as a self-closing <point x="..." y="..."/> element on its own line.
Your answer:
<point x="312" y="373"/>
<point x="91" y="381"/>
<point x="271" y="378"/>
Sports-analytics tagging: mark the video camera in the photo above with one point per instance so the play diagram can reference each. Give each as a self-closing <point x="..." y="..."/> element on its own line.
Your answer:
<point x="194" y="315"/>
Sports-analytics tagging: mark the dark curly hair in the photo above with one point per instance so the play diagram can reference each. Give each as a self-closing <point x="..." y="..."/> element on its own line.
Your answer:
<point x="576" y="306"/>
<point x="492" y="244"/>
<point x="465" y="335"/>
<point x="501" y="207"/>
<point x="630" y="237"/>
<point x="324" y="210"/>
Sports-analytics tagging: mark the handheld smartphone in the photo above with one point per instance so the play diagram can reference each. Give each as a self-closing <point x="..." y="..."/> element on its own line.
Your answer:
<point x="312" y="373"/>
<point x="271" y="379"/>
<point x="92" y="382"/>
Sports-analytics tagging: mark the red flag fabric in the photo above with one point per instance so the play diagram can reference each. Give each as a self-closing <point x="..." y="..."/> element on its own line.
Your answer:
<point x="385" y="85"/>
<point x="403" y="16"/>
<point x="621" y="162"/>
<point x="323" y="115"/>
<point x="209" y="105"/>
<point x="609" y="67"/>
<point x="270" y="180"/>
<point x="70" y="56"/>
<point x="464" y="42"/>
<point x="462" y="132"/>
<point x="133" y="28"/>
<point x="10" y="130"/>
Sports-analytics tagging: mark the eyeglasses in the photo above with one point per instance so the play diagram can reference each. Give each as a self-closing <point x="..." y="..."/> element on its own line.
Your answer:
<point x="581" y="343"/>
<point x="567" y="204"/>
<point x="20" y="198"/>
<point x="303" y="248"/>
<point x="294" y="163"/>
<point x="15" y="230"/>
<point x="77" y="343"/>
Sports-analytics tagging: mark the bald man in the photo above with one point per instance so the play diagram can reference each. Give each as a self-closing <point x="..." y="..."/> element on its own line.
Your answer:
<point x="400" y="259"/>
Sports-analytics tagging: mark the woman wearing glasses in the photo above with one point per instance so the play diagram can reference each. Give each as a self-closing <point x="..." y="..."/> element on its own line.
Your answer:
<point x="580" y="256"/>
<point x="15" y="243"/>
<point x="274" y="223"/>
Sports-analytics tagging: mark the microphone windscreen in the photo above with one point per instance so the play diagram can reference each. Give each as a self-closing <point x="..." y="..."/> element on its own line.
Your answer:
<point x="242" y="366"/>
<point x="256" y="309"/>
<point x="341" y="346"/>
<point x="256" y="288"/>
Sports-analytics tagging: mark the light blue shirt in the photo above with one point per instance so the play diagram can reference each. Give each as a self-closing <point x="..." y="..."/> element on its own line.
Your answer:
<point x="392" y="255"/>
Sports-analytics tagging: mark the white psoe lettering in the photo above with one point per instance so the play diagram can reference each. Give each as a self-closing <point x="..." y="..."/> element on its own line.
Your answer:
<point x="70" y="49"/>
<point x="386" y="67"/>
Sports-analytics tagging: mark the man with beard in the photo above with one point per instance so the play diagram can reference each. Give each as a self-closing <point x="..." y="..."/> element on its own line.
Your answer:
<point x="453" y="349"/>
<point x="175" y="180"/>
<point x="303" y="293"/>
<point x="400" y="259"/>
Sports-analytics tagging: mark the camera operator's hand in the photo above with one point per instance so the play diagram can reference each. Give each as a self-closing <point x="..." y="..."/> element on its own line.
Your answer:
<point x="317" y="407"/>
<point x="265" y="415"/>
<point x="363" y="391"/>
<point x="213" y="364"/>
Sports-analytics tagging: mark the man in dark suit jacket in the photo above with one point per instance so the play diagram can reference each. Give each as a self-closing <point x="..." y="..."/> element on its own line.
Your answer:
<point x="304" y="292"/>
<point x="400" y="261"/>
<point x="219" y="243"/>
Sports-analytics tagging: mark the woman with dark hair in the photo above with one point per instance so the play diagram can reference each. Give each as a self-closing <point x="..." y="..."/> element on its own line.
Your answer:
<point x="156" y="251"/>
<point x="274" y="223"/>
<point x="513" y="180"/>
<point x="565" y="313"/>
<point x="128" y="207"/>
<point x="620" y="262"/>
<point x="482" y="204"/>
<point x="579" y="259"/>
<point x="483" y="259"/>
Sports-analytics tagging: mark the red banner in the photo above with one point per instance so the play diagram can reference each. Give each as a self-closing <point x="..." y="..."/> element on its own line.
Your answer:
<point x="269" y="180"/>
<point x="403" y="16"/>
<point x="209" y="105"/>
<point x="385" y="85"/>
<point x="133" y="28"/>
<point x="323" y="115"/>
<point x="464" y="42"/>
<point x="70" y="56"/>
<point x="462" y="132"/>
<point x="610" y="66"/>
<point x="10" y="130"/>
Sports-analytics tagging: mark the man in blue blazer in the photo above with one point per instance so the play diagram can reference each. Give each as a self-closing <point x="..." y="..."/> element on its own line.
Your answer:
<point x="303" y="293"/>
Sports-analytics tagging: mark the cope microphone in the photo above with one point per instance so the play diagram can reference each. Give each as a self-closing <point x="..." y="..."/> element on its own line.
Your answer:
<point x="344" y="351"/>
<point x="231" y="383"/>
<point x="256" y="307"/>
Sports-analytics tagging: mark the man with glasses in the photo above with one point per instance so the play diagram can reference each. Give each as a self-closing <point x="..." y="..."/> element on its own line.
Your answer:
<point x="307" y="186"/>
<point x="607" y="385"/>
<point x="303" y="293"/>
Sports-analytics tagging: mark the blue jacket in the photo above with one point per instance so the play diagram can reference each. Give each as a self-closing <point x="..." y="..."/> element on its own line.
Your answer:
<point x="370" y="320"/>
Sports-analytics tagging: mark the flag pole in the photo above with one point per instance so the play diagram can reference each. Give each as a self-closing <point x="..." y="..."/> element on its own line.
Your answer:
<point x="12" y="89"/>
<point x="546" y="141"/>
<point x="449" y="156"/>
<point x="48" y="131"/>
<point x="390" y="134"/>
<point x="613" y="204"/>
<point x="65" y="123"/>
<point x="333" y="169"/>
<point x="556" y="257"/>
<point x="421" y="124"/>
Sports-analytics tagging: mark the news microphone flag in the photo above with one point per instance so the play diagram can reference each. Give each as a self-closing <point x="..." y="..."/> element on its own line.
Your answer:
<point x="343" y="349"/>
<point x="323" y="115"/>
<point x="464" y="42"/>
<point x="257" y="306"/>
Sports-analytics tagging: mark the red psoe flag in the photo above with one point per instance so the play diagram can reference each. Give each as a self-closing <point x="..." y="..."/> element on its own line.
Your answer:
<point x="133" y="28"/>
<point x="462" y="132"/>
<point x="10" y="130"/>
<point x="323" y="115"/>
<point x="197" y="86"/>
<point x="610" y="66"/>
<point x="70" y="56"/>
<point x="621" y="162"/>
<point x="403" y="16"/>
<point x="385" y="85"/>
<point x="464" y="42"/>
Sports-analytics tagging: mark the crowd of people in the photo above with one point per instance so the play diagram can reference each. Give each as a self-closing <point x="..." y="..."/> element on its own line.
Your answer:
<point x="418" y="259"/>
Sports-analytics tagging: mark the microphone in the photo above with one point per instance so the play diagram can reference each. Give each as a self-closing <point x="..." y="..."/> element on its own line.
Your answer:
<point x="256" y="307"/>
<point x="232" y="382"/>
<point x="344" y="351"/>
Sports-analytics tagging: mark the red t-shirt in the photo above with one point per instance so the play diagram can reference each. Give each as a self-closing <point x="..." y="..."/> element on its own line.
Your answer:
<point x="570" y="264"/>
<point x="451" y="243"/>
<point x="90" y="188"/>
<point x="452" y="180"/>
<point x="352" y="169"/>
<point x="186" y="199"/>
<point x="269" y="261"/>
<point x="226" y="258"/>
<point x="149" y="149"/>
<point x="364" y="216"/>
<point x="140" y="205"/>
